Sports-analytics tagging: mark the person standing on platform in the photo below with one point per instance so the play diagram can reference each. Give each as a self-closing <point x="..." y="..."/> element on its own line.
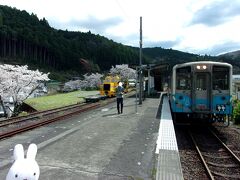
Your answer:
<point x="119" y="93"/>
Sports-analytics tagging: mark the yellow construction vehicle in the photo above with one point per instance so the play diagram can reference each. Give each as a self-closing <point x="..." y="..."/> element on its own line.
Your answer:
<point x="109" y="85"/>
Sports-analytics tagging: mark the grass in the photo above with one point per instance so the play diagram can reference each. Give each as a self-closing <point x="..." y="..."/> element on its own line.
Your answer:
<point x="58" y="100"/>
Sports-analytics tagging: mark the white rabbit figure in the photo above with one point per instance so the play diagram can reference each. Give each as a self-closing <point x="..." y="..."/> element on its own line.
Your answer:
<point x="24" y="168"/>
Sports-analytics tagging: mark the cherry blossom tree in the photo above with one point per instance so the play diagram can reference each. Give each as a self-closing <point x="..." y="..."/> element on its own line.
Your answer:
<point x="91" y="81"/>
<point x="123" y="71"/>
<point x="72" y="85"/>
<point x="18" y="83"/>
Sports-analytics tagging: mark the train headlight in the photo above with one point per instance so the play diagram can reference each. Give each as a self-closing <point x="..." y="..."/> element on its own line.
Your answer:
<point x="201" y="67"/>
<point x="223" y="107"/>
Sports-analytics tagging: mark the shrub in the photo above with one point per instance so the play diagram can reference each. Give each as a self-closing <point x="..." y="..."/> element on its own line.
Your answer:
<point x="236" y="113"/>
<point x="23" y="113"/>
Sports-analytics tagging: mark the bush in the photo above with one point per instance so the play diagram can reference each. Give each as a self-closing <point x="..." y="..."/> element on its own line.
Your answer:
<point x="236" y="113"/>
<point x="23" y="113"/>
<point x="91" y="88"/>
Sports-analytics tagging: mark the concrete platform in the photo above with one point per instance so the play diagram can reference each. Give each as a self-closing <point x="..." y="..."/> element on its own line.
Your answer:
<point x="99" y="144"/>
<point x="169" y="166"/>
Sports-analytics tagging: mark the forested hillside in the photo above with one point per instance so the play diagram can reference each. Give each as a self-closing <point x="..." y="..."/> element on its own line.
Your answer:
<point x="158" y="54"/>
<point x="26" y="39"/>
<point x="172" y="57"/>
<point x="232" y="58"/>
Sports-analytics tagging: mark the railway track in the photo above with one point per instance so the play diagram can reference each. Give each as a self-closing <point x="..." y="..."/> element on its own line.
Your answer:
<point x="218" y="159"/>
<point x="38" y="115"/>
<point x="14" y="126"/>
<point x="25" y="124"/>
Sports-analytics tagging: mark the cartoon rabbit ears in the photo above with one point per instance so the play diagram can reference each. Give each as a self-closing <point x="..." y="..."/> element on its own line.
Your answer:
<point x="19" y="152"/>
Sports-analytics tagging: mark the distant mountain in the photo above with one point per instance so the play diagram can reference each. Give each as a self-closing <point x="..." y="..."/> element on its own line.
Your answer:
<point x="232" y="58"/>
<point x="25" y="39"/>
<point x="172" y="57"/>
<point x="232" y="55"/>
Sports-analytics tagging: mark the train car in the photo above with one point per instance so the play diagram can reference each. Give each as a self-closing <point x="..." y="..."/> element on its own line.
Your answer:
<point x="201" y="90"/>
<point x="108" y="87"/>
<point x="126" y="87"/>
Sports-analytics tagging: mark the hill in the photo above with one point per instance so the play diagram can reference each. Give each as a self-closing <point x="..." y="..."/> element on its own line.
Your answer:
<point x="232" y="55"/>
<point x="25" y="39"/>
<point x="158" y="55"/>
<point x="232" y="58"/>
<point x="172" y="57"/>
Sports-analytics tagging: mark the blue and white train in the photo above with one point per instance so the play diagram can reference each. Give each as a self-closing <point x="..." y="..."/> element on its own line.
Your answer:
<point x="201" y="90"/>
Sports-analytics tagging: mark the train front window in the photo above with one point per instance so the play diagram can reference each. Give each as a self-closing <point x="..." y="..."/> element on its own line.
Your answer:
<point x="201" y="82"/>
<point x="183" y="78"/>
<point x="220" y="78"/>
<point x="106" y="87"/>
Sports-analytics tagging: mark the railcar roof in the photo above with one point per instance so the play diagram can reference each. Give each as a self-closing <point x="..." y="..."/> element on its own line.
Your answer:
<point x="202" y="62"/>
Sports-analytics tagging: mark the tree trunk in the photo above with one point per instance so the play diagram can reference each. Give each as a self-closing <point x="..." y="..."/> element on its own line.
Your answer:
<point x="17" y="108"/>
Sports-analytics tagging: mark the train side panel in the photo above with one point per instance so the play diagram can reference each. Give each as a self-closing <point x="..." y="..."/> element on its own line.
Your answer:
<point x="222" y="104"/>
<point x="181" y="102"/>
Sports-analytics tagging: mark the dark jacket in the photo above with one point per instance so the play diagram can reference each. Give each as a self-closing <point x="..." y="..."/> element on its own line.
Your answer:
<point x="119" y="91"/>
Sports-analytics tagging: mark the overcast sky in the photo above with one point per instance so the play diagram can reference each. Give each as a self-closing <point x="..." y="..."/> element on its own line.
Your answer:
<point x="197" y="26"/>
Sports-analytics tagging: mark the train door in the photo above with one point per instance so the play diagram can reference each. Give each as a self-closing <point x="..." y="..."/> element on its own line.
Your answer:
<point x="201" y="92"/>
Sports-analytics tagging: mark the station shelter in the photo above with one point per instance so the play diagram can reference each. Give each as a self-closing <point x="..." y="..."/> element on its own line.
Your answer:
<point x="157" y="77"/>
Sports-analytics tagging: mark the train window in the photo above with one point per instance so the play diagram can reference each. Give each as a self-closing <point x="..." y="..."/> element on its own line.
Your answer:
<point x="220" y="78"/>
<point x="183" y="82"/>
<point x="201" y="82"/>
<point x="184" y="70"/>
<point x="106" y="87"/>
<point x="183" y="79"/>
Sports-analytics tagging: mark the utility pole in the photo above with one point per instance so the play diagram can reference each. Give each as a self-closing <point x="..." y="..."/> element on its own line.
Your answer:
<point x="136" y="77"/>
<point x="140" y="64"/>
<point x="149" y="80"/>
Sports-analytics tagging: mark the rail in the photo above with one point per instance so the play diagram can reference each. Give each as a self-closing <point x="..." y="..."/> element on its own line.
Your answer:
<point x="216" y="155"/>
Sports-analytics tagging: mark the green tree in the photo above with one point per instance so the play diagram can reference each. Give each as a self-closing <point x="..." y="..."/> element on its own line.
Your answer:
<point x="236" y="113"/>
<point x="1" y="19"/>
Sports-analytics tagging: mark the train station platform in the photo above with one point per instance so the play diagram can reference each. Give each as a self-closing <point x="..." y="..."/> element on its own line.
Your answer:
<point x="101" y="144"/>
<point x="168" y="166"/>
